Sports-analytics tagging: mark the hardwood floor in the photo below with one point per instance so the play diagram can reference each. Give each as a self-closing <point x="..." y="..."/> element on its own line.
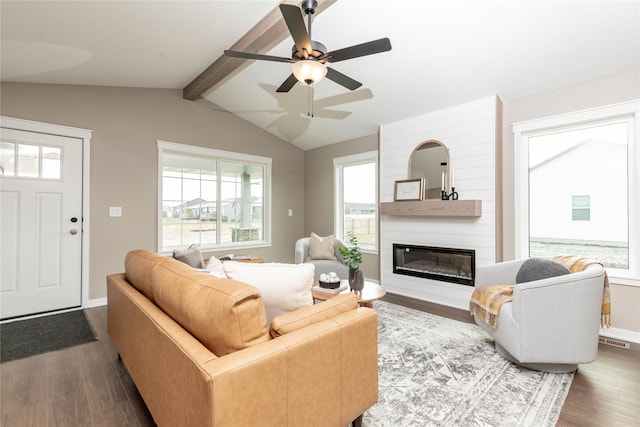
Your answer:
<point x="87" y="385"/>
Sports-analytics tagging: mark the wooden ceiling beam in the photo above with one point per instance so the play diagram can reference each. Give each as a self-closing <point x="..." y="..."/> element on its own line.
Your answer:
<point x="267" y="33"/>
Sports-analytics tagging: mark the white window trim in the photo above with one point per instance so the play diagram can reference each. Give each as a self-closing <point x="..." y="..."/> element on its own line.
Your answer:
<point x="523" y="130"/>
<point x="338" y="164"/>
<point x="222" y="155"/>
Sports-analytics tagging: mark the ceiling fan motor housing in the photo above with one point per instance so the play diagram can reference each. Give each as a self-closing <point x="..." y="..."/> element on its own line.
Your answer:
<point x="317" y="50"/>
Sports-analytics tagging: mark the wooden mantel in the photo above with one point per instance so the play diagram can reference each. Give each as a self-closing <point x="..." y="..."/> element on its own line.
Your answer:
<point x="439" y="208"/>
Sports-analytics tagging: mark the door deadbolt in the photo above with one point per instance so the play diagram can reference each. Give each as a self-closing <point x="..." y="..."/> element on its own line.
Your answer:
<point x="74" y="219"/>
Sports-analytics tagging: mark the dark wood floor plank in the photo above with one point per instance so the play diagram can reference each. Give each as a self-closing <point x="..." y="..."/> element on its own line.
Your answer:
<point x="137" y="403"/>
<point x="104" y="390"/>
<point x="33" y="415"/>
<point x="27" y="388"/>
<point x="118" y="415"/>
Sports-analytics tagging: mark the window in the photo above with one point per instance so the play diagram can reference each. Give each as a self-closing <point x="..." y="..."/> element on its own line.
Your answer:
<point x="356" y="198"/>
<point x="216" y="199"/>
<point x="575" y="188"/>
<point x="581" y="208"/>
<point x="30" y="161"/>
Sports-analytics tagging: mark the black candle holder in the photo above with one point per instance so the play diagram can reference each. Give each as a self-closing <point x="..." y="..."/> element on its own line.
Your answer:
<point x="452" y="196"/>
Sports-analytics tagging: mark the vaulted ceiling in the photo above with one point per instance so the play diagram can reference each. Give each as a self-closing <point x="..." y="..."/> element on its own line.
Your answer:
<point x="444" y="52"/>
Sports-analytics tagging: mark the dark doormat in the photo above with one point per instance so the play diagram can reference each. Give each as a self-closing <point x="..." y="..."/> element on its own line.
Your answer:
<point x="24" y="338"/>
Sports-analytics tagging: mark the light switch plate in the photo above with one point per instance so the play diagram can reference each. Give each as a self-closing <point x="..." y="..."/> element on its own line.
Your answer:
<point x="115" y="211"/>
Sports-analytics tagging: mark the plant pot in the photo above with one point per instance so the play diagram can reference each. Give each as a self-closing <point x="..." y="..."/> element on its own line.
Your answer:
<point x="356" y="279"/>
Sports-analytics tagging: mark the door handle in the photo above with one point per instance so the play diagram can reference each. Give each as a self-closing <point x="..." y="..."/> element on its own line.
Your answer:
<point x="73" y="231"/>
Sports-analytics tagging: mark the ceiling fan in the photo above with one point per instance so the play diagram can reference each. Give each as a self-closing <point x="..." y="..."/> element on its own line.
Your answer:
<point x="309" y="56"/>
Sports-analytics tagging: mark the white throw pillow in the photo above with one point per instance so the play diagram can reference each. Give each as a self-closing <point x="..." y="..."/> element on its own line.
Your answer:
<point x="284" y="287"/>
<point x="214" y="266"/>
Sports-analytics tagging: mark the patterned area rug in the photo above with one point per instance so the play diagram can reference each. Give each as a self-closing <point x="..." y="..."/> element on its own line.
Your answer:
<point x="440" y="372"/>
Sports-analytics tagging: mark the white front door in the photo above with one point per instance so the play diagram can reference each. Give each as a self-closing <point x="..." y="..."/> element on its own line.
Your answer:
<point x="40" y="222"/>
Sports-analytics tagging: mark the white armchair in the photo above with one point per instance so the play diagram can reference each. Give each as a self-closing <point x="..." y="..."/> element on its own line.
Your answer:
<point x="551" y="324"/>
<point x="321" y="265"/>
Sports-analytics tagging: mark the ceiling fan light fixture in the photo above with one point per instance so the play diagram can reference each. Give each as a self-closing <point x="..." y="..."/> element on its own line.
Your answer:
<point x="308" y="71"/>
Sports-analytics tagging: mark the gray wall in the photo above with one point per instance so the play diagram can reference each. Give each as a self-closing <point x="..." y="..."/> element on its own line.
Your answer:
<point x="318" y="192"/>
<point x="126" y="123"/>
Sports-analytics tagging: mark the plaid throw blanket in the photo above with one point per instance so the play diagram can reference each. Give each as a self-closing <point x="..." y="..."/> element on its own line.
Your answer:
<point x="576" y="264"/>
<point x="487" y="300"/>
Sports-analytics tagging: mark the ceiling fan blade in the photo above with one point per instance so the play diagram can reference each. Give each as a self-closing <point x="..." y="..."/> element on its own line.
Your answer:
<point x="288" y="84"/>
<point x="247" y="55"/>
<point x="298" y="30"/>
<point x="364" y="49"/>
<point x="343" y="98"/>
<point x="342" y="79"/>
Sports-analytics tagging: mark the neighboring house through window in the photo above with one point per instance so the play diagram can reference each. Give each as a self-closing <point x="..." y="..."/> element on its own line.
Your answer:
<point x="356" y="198"/>
<point x="216" y="199"/>
<point x="576" y="187"/>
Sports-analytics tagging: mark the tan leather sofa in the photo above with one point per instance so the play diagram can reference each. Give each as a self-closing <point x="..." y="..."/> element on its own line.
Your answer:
<point x="200" y="352"/>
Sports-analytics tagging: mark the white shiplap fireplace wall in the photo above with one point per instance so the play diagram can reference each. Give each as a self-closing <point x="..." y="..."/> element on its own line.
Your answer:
<point x="469" y="132"/>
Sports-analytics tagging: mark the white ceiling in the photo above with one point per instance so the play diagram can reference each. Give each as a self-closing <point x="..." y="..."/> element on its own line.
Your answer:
<point x="445" y="52"/>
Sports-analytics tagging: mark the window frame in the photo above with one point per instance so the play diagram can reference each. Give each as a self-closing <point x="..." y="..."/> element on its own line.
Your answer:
<point x="218" y="156"/>
<point x="628" y="112"/>
<point x="339" y="163"/>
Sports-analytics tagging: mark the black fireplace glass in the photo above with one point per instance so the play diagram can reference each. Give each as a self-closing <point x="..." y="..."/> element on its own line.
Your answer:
<point x="443" y="264"/>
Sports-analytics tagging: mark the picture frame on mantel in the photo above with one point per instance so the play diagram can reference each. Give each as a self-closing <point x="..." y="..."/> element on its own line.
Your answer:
<point x="409" y="190"/>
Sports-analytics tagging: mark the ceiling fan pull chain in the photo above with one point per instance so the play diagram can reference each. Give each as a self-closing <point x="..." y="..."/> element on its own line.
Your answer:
<point x="310" y="99"/>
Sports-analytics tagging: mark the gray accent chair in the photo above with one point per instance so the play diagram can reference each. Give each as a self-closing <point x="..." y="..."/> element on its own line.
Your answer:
<point x="551" y="325"/>
<point x="321" y="265"/>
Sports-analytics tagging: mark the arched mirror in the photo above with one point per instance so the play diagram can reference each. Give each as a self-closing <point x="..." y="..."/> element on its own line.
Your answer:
<point x="430" y="160"/>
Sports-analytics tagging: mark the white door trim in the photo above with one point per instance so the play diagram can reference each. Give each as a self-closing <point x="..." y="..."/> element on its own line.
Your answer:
<point x="85" y="135"/>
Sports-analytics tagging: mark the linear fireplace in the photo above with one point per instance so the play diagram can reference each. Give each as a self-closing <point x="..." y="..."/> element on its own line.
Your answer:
<point x="444" y="264"/>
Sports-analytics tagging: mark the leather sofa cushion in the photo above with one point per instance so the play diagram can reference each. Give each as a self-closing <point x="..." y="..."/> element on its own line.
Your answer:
<point x="138" y="266"/>
<point x="223" y="314"/>
<point x="306" y="316"/>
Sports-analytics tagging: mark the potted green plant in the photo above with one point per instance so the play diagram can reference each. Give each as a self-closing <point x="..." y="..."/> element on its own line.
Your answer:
<point x="353" y="258"/>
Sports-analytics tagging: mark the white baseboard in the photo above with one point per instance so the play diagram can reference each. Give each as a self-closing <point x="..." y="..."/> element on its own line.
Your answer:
<point x="621" y="334"/>
<point x="97" y="302"/>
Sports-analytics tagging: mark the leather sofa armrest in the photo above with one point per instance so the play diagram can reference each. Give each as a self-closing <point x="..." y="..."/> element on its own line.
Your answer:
<point x="322" y="374"/>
